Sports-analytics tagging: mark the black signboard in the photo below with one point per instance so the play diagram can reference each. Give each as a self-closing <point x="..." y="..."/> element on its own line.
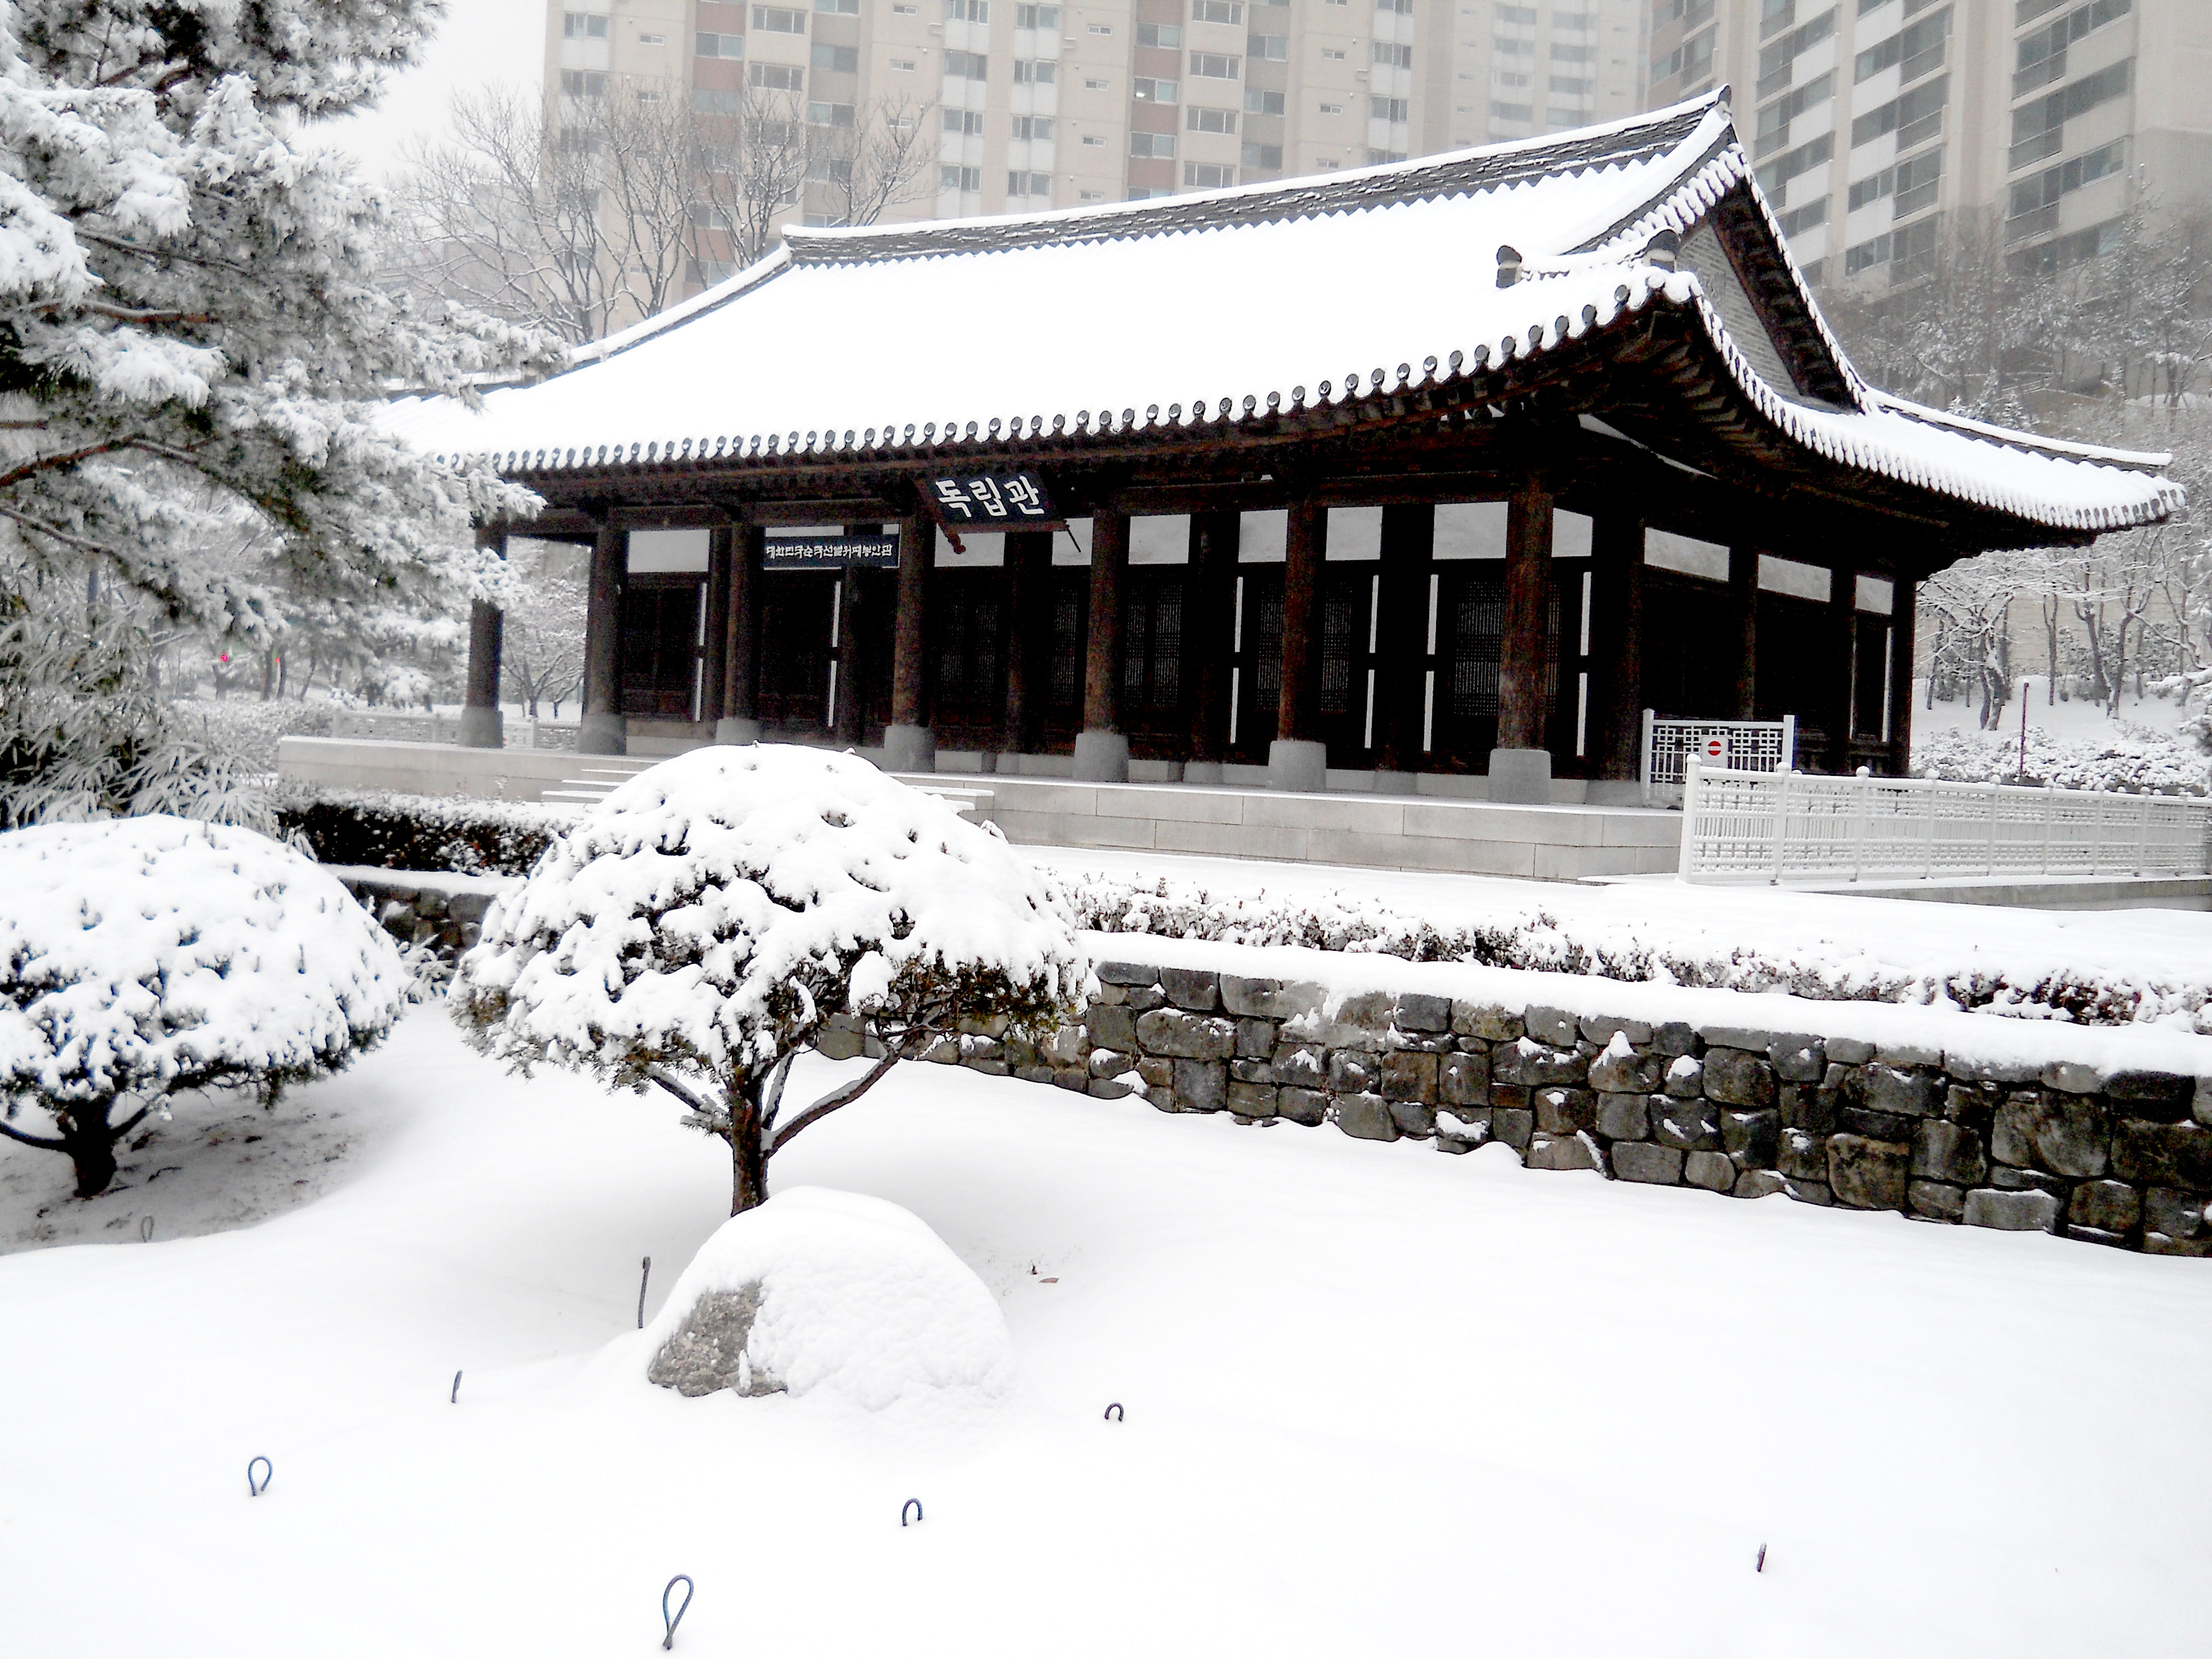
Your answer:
<point x="993" y="500"/>
<point x="832" y="552"/>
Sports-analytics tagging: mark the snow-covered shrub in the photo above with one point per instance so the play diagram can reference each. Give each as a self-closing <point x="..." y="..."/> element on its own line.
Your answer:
<point x="421" y="832"/>
<point x="697" y="930"/>
<point x="2131" y="760"/>
<point x="818" y="1292"/>
<point x="140" y="956"/>
<point x="246" y="730"/>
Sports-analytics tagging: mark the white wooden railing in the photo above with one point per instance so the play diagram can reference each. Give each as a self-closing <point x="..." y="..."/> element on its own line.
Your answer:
<point x="1783" y="826"/>
<point x="428" y="725"/>
<point x="1742" y="746"/>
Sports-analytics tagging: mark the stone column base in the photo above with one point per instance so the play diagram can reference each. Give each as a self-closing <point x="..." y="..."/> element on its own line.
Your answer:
<point x="483" y="728"/>
<point x="1521" y="777"/>
<point x="1394" y="783"/>
<point x="1102" y="757"/>
<point x="1297" y="764"/>
<point x="733" y="728"/>
<point x="1202" y="772"/>
<point x="909" y="749"/>
<point x="602" y="734"/>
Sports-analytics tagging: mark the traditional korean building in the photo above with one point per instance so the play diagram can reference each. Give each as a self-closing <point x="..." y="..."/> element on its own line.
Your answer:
<point x="1582" y="446"/>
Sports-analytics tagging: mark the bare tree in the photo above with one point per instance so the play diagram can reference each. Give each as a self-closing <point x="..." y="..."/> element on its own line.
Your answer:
<point x="542" y="656"/>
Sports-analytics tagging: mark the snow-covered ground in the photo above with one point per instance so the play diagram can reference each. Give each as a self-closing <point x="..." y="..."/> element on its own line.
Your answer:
<point x="2078" y="719"/>
<point x="1379" y="1401"/>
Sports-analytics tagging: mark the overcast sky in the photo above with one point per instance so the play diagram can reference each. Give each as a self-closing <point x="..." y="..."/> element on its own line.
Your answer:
<point x="481" y="42"/>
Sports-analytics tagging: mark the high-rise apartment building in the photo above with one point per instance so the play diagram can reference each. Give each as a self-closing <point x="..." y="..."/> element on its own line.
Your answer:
<point x="1870" y="120"/>
<point x="1051" y="106"/>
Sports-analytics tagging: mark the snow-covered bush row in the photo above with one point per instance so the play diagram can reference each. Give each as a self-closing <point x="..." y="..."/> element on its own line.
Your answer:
<point x="1532" y="938"/>
<point x="138" y="956"/>
<point x="421" y="832"/>
<point x="2131" y="760"/>
<point x="245" y="729"/>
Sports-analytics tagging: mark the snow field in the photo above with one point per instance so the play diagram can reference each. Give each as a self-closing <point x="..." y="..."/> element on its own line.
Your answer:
<point x="1378" y="1401"/>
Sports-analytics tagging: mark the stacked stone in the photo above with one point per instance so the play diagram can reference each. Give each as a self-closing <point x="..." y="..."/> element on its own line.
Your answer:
<point x="444" y="923"/>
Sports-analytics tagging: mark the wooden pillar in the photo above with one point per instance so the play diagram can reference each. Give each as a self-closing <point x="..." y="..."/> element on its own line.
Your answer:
<point x="1029" y="639"/>
<point x="713" y="672"/>
<point x="1102" y="751"/>
<point x="1521" y="766"/>
<point x="1297" y="759"/>
<point x="1837" y="626"/>
<point x="851" y="723"/>
<point x="909" y="744"/>
<point x="1743" y="640"/>
<point x="1904" y="602"/>
<point x="1401" y="628"/>
<point x="1616" y="646"/>
<point x="481" y="726"/>
<point x="604" y="730"/>
<point x="739" y="721"/>
<point x="1209" y="612"/>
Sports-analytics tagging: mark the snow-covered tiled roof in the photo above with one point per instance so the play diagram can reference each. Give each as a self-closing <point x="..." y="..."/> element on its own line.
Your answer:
<point x="882" y="343"/>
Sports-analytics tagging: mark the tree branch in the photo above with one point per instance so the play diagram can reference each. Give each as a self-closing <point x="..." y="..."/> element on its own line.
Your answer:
<point x="676" y="1086"/>
<point x="39" y="1141"/>
<point x="136" y="1118"/>
<point x="62" y="536"/>
<point x="830" y="1102"/>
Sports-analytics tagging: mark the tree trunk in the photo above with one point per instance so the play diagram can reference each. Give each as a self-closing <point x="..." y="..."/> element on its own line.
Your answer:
<point x="748" y="1153"/>
<point x="91" y="1148"/>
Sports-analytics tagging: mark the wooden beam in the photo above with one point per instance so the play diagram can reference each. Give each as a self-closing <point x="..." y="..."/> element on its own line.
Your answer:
<point x="1520" y="710"/>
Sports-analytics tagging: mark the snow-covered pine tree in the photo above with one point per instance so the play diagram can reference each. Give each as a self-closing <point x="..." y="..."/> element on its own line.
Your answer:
<point x="700" y="929"/>
<point x="190" y="325"/>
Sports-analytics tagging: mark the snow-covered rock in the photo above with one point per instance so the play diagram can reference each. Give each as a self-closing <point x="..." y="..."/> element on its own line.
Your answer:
<point x="139" y="955"/>
<point x="836" y="1293"/>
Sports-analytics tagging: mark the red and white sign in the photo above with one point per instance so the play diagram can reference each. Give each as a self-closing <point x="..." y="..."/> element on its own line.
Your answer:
<point x="1716" y="747"/>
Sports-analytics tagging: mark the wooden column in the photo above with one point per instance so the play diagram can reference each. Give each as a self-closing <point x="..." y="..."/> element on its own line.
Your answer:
<point x="1029" y="639"/>
<point x="1521" y="766"/>
<point x="1297" y="759"/>
<point x="1836" y="626"/>
<point x="1401" y="628"/>
<point x="1209" y="613"/>
<point x="739" y="721"/>
<point x="1903" y="602"/>
<point x="604" y="730"/>
<point x="1101" y="751"/>
<point x="851" y="723"/>
<point x="713" y="672"/>
<point x="1742" y="638"/>
<point x="909" y="744"/>
<point x="481" y="726"/>
<point x="1616" y="707"/>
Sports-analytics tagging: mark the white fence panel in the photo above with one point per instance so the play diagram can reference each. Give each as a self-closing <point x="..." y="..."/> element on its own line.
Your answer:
<point x="1782" y="826"/>
<point x="424" y="726"/>
<point x="1740" y="746"/>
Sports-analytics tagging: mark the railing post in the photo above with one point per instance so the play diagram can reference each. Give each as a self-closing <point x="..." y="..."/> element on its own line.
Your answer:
<point x="1927" y="788"/>
<point x="2050" y="820"/>
<point x="1688" y="865"/>
<point x="1862" y="788"/>
<point x="2143" y="837"/>
<point x="1643" y="765"/>
<point x="1788" y="742"/>
<point x="2097" y="836"/>
<point x="1990" y="842"/>
<point x="1781" y="823"/>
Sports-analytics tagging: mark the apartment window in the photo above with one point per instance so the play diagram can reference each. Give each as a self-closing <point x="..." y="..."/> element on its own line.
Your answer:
<point x="1775" y="175"/>
<point x="839" y="60"/>
<point x="1866" y="255"/>
<point x="1511" y="112"/>
<point x="1095" y="84"/>
<point x="709" y="45"/>
<point x="584" y="25"/>
<point x="961" y="179"/>
<point x="652" y="40"/>
<point x="1168" y="35"/>
<point x="1690" y="61"/>
<point x="707" y="272"/>
<point x="1267" y="156"/>
<point x="1152" y="146"/>
<point x="838" y="8"/>
<point x="1916" y="49"/>
<point x="1033" y="126"/>
<point x="1331" y="55"/>
<point x="1214" y="66"/>
<point x="1777" y="60"/>
<point x="1776" y="15"/>
<point x="1037" y="17"/>
<point x="1029" y="183"/>
<point x="1518" y="15"/>
<point x="1389" y="109"/>
<point x="905" y="11"/>
<point x="967" y="11"/>
<point x="1376" y="158"/>
<point x="1912" y="251"/>
<point x="829" y="115"/>
<point x="964" y="123"/>
<point x="1393" y="55"/>
<point x="1572" y="86"/>
<point x="1208" y="175"/>
<point x="1269" y="48"/>
<point x="902" y="63"/>
<point x="1090" y="194"/>
<point x="1216" y="11"/>
<point x="1402" y="8"/>
<point x="830" y="170"/>
<point x="775" y="77"/>
<point x="1915" y="183"/>
<point x="1691" y="12"/>
<point x="1510" y="79"/>
<point x="1582" y="23"/>
<point x="1804" y="218"/>
<point x="779" y="20"/>
<point x="1562" y="53"/>
<point x="2045" y="188"/>
<point x="1034" y="72"/>
<point x="1107" y="29"/>
<point x="967" y="66"/>
<point x="1258" y="100"/>
<point x="2038" y="130"/>
<point x="1147" y="90"/>
<point x="707" y="102"/>
<point x="1774" y="118"/>
<point x="2042" y="55"/>
<point x="1094" y="141"/>
<point x="1872" y="188"/>
<point x="584" y="83"/>
<point x="1915" y="117"/>
<point x="1513" y="48"/>
<point x="1332" y="109"/>
<point x="1198" y="118"/>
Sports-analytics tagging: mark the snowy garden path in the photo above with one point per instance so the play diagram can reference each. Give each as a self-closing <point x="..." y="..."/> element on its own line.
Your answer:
<point x="1380" y="1401"/>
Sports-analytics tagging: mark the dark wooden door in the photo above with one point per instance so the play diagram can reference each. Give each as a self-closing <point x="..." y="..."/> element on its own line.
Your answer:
<point x="967" y="639"/>
<point x="1070" y="600"/>
<point x="1153" y="712"/>
<point x="1258" y="661"/>
<point x="1470" y="632"/>
<point x="660" y="646"/>
<point x="798" y="609"/>
<point x="1347" y="662"/>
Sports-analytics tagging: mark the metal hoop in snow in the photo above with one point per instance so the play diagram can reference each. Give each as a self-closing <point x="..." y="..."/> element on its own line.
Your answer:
<point x="685" y="1579"/>
<point x="913" y="1503"/>
<point x="1113" y="1412"/>
<point x="644" y="1277"/>
<point x="456" y="1399"/>
<point x="146" y="1230"/>
<point x="268" y="1473"/>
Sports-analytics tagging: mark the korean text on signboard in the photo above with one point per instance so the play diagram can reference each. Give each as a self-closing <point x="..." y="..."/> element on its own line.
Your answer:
<point x="832" y="552"/>
<point x="994" y="500"/>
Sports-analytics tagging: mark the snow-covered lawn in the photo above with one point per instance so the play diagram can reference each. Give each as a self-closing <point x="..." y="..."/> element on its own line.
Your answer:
<point x="1379" y="1401"/>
